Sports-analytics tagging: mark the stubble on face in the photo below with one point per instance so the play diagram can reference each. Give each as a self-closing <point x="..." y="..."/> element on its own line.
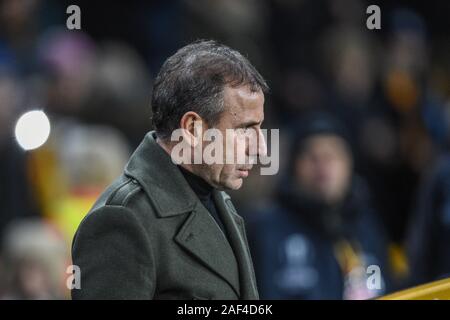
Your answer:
<point x="243" y="109"/>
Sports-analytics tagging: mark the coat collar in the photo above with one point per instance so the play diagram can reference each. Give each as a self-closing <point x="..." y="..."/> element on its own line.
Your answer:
<point x="153" y="168"/>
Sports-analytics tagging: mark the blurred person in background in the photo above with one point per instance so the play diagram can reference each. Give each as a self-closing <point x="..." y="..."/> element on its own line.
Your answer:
<point x="411" y="126"/>
<point x="82" y="78"/>
<point x="34" y="258"/>
<point x="19" y="29"/>
<point x="320" y="234"/>
<point x="428" y="239"/>
<point x="397" y="122"/>
<point x="71" y="170"/>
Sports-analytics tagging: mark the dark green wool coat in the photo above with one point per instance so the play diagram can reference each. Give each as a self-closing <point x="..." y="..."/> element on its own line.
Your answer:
<point x="149" y="237"/>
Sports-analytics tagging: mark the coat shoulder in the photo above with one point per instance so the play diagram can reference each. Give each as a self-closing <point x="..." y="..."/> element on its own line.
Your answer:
<point x="124" y="192"/>
<point x="127" y="195"/>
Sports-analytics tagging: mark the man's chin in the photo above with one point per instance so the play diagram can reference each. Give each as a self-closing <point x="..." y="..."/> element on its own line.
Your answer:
<point x="233" y="185"/>
<point x="237" y="184"/>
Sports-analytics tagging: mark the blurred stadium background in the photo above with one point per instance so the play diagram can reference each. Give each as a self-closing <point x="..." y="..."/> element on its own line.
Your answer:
<point x="389" y="87"/>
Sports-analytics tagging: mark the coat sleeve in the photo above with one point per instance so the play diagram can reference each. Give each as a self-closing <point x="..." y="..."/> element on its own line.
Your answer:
<point x="114" y="256"/>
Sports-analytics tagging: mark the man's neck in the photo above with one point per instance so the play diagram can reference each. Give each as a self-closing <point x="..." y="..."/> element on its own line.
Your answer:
<point x="163" y="145"/>
<point x="186" y="168"/>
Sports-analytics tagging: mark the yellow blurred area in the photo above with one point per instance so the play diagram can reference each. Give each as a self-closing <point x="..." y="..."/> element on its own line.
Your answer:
<point x="64" y="187"/>
<point x="437" y="290"/>
<point x="63" y="207"/>
<point x="398" y="261"/>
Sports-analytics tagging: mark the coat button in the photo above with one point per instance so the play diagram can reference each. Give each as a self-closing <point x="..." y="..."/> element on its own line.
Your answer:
<point x="189" y="237"/>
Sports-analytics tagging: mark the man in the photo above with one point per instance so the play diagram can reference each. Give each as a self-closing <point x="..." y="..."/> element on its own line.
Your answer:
<point x="318" y="238"/>
<point x="167" y="231"/>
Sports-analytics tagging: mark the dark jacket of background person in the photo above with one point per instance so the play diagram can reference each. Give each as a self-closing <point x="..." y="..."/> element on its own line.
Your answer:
<point x="428" y="243"/>
<point x="149" y="237"/>
<point x="292" y="243"/>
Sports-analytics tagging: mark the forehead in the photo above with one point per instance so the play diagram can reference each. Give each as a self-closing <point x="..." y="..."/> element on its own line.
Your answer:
<point x="244" y="104"/>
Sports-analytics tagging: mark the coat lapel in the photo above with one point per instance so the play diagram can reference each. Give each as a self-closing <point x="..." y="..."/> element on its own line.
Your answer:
<point x="202" y="238"/>
<point x="236" y="232"/>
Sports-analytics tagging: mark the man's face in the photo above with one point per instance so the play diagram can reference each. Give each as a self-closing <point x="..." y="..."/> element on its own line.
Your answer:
<point x="323" y="168"/>
<point x="243" y="112"/>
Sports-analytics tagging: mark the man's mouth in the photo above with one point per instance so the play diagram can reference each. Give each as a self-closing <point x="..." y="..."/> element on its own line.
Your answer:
<point x="243" y="172"/>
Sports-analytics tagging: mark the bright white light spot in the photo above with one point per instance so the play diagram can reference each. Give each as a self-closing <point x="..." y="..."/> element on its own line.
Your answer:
<point x="32" y="129"/>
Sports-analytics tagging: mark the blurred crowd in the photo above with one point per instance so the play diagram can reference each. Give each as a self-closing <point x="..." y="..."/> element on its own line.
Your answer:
<point x="364" y="119"/>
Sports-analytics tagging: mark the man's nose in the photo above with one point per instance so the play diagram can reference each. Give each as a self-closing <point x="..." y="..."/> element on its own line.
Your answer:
<point x="261" y="149"/>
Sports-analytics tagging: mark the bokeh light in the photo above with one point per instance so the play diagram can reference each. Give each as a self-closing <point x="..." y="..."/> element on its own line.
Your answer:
<point x="32" y="129"/>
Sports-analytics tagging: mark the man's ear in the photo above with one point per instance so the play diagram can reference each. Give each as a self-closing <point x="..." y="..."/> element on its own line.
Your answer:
<point x="192" y="127"/>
